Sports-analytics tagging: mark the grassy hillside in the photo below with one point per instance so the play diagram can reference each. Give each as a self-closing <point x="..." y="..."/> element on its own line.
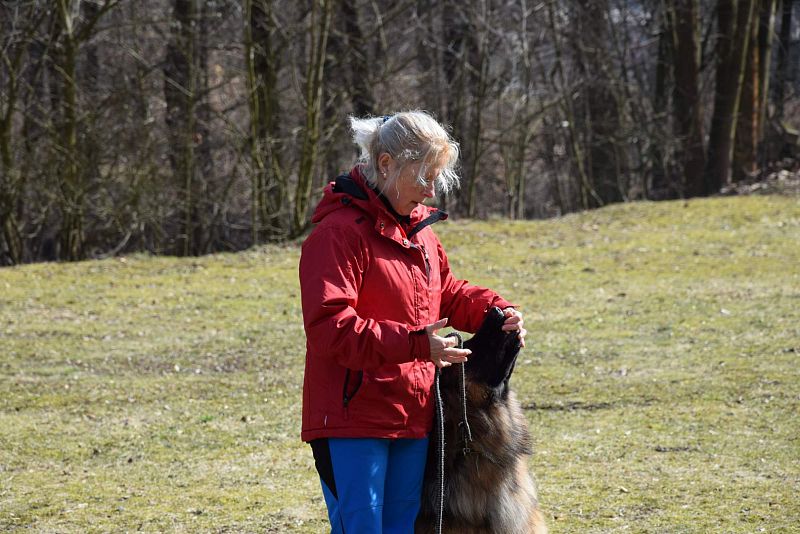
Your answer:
<point x="661" y="379"/>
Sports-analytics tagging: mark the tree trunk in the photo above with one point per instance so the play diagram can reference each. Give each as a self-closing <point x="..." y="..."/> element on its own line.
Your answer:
<point x="72" y="179"/>
<point x="662" y="186"/>
<point x="320" y="21"/>
<point x="180" y="94"/>
<point x="360" y="89"/>
<point x="458" y="38"/>
<point x="783" y="67"/>
<point x="337" y="92"/>
<point x="525" y="130"/>
<point x="209" y="195"/>
<point x="269" y="195"/>
<point x="601" y="117"/>
<point x="253" y="21"/>
<point x="429" y="54"/>
<point x="688" y="111"/>
<point x="586" y="195"/>
<point x="747" y="124"/>
<point x="10" y="240"/>
<point x="478" y="104"/>
<point x="89" y="145"/>
<point x="733" y="19"/>
<point x="766" y="38"/>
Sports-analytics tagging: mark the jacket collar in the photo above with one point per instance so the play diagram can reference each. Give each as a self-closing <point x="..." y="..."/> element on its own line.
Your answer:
<point x="352" y="190"/>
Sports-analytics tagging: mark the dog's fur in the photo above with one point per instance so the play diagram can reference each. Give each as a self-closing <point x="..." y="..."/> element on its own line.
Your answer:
<point x="488" y="489"/>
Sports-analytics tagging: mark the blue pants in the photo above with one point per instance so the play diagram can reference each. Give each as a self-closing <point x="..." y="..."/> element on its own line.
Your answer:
<point x="371" y="485"/>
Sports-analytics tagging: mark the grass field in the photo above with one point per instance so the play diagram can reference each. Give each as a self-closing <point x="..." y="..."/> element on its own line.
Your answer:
<point x="661" y="380"/>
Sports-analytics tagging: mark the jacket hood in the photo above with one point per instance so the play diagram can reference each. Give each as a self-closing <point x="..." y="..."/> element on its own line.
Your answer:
<point x="351" y="190"/>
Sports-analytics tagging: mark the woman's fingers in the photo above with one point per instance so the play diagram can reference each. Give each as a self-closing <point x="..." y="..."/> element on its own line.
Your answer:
<point x="442" y="364"/>
<point x="432" y="328"/>
<point x="457" y="355"/>
<point x="449" y="356"/>
<point x="443" y="349"/>
<point x="513" y="322"/>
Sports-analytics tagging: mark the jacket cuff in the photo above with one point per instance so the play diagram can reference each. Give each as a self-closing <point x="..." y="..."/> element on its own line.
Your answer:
<point x="420" y="346"/>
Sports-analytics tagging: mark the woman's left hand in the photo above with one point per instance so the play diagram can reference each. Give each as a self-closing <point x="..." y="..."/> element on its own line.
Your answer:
<point x="514" y="322"/>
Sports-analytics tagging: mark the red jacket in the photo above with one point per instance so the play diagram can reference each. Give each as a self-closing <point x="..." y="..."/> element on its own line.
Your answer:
<point x="369" y="286"/>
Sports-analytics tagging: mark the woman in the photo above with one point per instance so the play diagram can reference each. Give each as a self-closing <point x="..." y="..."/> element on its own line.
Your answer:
<point x="376" y="287"/>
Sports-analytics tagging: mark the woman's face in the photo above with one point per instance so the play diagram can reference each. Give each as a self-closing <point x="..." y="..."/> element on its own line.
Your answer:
<point x="400" y="182"/>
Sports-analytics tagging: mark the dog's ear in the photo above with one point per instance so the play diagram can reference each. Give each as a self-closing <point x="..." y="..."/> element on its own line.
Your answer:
<point x="511" y="352"/>
<point x="494" y="352"/>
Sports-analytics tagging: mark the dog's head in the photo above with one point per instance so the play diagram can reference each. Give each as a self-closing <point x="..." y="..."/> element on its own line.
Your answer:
<point x="494" y="353"/>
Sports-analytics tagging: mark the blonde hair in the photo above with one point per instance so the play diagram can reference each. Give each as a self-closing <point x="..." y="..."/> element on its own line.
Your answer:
<point x="409" y="136"/>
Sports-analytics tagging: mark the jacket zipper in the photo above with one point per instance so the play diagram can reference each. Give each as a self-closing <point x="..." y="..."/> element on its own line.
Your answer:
<point x="427" y="264"/>
<point x="347" y="396"/>
<point x="424" y="251"/>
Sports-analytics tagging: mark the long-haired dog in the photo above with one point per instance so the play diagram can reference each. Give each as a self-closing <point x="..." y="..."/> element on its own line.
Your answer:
<point x="487" y="485"/>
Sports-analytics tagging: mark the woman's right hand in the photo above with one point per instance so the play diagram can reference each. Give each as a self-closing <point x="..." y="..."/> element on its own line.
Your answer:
<point x="443" y="349"/>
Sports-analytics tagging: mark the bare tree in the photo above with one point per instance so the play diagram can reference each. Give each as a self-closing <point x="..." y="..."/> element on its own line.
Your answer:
<point x="71" y="33"/>
<point x="459" y="44"/>
<point x="187" y="118"/>
<point x="783" y="67"/>
<point x="587" y="195"/>
<point x="766" y="38"/>
<point x="755" y="88"/>
<point x="319" y="25"/>
<point x="733" y="19"/>
<point x="180" y="94"/>
<point x="664" y="184"/>
<point x="262" y="46"/>
<point x="600" y="110"/>
<point x="186" y="126"/>
<point x="18" y="27"/>
<point x="363" y="99"/>
<point x="688" y="112"/>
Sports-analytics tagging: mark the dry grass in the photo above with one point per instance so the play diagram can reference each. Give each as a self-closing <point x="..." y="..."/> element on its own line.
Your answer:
<point x="661" y="380"/>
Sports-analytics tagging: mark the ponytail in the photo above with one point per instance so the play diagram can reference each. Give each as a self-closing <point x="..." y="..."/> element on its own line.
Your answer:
<point x="409" y="136"/>
<point x="365" y="132"/>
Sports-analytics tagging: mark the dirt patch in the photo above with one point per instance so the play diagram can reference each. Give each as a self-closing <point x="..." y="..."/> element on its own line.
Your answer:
<point x="574" y="406"/>
<point x="781" y="182"/>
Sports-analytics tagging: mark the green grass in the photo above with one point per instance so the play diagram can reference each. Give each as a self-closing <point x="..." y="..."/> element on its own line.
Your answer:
<point x="661" y="379"/>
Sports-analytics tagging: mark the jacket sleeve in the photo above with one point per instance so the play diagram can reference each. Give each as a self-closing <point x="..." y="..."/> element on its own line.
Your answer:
<point x="462" y="303"/>
<point x="331" y="266"/>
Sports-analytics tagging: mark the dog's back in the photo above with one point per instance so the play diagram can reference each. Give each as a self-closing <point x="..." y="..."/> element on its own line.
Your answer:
<point x="488" y="488"/>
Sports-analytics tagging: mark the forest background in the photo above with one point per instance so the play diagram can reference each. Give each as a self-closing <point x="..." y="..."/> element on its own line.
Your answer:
<point x="187" y="126"/>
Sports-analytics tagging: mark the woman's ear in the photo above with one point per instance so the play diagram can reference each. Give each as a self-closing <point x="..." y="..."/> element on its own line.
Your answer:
<point x="383" y="164"/>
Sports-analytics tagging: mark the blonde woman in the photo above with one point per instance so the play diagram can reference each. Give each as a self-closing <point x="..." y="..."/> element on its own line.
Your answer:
<point x="376" y="287"/>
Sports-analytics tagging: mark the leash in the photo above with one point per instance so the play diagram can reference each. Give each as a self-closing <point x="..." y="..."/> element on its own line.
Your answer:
<point x="463" y="425"/>
<point x="440" y="445"/>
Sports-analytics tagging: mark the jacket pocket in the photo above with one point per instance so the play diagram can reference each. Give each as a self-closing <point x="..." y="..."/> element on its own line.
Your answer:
<point x="349" y="390"/>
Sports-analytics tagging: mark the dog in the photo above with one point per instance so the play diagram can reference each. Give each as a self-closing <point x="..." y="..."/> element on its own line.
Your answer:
<point x="487" y="486"/>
